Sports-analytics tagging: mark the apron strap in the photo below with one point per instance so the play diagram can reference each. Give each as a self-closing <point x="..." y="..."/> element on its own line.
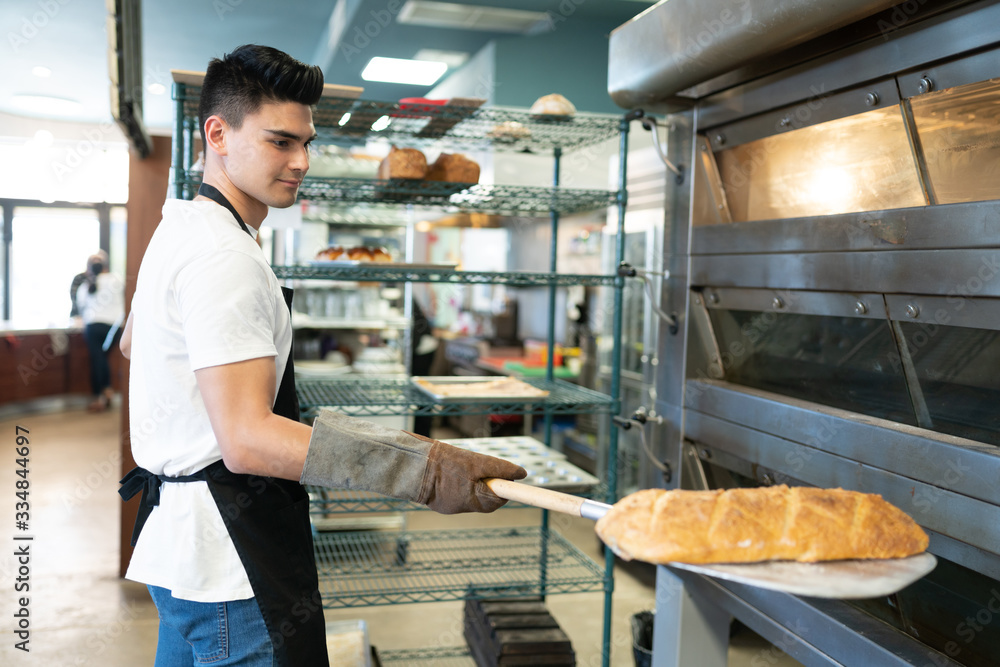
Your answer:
<point x="212" y="192"/>
<point x="139" y="479"/>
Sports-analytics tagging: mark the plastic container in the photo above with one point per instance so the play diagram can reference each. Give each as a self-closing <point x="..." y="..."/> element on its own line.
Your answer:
<point x="642" y="638"/>
<point x="347" y="643"/>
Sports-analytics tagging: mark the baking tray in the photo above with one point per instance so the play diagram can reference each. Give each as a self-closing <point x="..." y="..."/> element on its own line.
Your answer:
<point x="346" y="263"/>
<point x="546" y="467"/>
<point x="471" y="380"/>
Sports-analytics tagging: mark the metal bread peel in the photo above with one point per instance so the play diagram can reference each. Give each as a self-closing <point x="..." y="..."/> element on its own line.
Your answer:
<point x="841" y="579"/>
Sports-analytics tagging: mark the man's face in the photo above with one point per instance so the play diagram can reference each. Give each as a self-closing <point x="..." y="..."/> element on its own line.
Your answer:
<point x="269" y="155"/>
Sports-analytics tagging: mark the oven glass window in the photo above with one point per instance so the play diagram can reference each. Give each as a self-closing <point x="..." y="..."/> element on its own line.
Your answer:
<point x="859" y="163"/>
<point x="959" y="131"/>
<point x="847" y="363"/>
<point x="959" y="373"/>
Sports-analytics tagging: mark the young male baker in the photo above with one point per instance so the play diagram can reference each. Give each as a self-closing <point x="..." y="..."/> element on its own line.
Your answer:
<point x="223" y="538"/>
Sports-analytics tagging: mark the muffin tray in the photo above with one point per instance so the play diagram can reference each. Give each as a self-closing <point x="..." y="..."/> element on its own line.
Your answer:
<point x="546" y="467"/>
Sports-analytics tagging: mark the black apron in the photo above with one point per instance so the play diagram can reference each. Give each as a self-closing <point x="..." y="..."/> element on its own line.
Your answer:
<point x="268" y="521"/>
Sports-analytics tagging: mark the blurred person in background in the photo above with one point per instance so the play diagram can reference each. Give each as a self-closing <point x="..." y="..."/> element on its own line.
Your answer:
<point x="100" y="300"/>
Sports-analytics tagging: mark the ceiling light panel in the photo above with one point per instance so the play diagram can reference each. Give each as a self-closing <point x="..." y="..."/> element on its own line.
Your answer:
<point x="469" y="17"/>
<point x="399" y="70"/>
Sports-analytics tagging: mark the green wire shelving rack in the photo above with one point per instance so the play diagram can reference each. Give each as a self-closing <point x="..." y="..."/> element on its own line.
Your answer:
<point x="372" y="568"/>
<point x="514" y="200"/>
<point x="369" y="568"/>
<point x="452" y="126"/>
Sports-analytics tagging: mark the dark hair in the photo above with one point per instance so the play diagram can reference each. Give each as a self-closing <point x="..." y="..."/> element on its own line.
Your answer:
<point x="241" y="81"/>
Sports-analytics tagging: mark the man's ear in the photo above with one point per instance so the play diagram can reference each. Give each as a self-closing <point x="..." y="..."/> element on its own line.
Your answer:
<point x="216" y="133"/>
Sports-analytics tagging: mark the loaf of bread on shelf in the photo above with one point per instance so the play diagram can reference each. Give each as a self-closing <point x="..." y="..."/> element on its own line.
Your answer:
<point x="334" y="252"/>
<point x="380" y="255"/>
<point x="750" y="525"/>
<point x="360" y="253"/>
<point x="509" y="130"/>
<point x="553" y="105"/>
<point x="453" y="168"/>
<point x="403" y="163"/>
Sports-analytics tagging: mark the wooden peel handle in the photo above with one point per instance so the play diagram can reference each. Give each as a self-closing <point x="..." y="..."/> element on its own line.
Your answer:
<point x="536" y="496"/>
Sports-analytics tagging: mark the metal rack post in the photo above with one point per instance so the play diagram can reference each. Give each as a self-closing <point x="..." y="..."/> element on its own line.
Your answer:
<point x="616" y="361"/>
<point x="180" y="91"/>
<point x="550" y="355"/>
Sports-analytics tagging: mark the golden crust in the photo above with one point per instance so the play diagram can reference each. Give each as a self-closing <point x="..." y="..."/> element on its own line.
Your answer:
<point x="403" y="163"/>
<point x="752" y="525"/>
<point x="453" y="168"/>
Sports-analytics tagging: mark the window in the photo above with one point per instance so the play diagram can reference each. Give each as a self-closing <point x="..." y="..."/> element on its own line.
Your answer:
<point x="48" y="247"/>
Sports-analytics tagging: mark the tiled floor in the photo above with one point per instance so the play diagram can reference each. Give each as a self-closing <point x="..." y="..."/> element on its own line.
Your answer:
<point x="81" y="613"/>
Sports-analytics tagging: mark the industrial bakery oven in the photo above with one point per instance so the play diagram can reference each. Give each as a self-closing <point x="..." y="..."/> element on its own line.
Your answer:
<point x="833" y="242"/>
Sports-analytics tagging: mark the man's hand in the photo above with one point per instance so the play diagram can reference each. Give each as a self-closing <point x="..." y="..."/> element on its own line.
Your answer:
<point x="349" y="453"/>
<point x="253" y="439"/>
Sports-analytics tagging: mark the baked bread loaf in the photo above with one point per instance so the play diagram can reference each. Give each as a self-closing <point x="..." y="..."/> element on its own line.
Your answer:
<point x="509" y="130"/>
<point x="334" y="252"/>
<point x="403" y="163"/>
<point x="750" y="525"/>
<point x="453" y="168"/>
<point x="553" y="105"/>
<point x="359" y="254"/>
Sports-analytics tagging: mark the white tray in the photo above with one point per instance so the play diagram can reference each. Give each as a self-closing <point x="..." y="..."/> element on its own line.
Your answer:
<point x="546" y="467"/>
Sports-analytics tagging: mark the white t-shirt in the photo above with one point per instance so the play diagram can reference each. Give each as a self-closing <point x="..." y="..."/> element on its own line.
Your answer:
<point x="107" y="304"/>
<point x="205" y="297"/>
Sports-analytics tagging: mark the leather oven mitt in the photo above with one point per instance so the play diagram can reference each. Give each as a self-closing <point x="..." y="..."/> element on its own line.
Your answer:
<point x="349" y="453"/>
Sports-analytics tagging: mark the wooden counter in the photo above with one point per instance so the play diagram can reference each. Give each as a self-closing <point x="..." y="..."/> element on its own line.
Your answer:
<point x="35" y="363"/>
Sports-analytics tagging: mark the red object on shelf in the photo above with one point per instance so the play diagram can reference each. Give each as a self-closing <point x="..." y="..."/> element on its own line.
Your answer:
<point x="417" y="105"/>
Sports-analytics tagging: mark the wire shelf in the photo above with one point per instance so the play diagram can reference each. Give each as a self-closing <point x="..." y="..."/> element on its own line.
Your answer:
<point x="404" y="273"/>
<point x="381" y="396"/>
<point x="442" y="656"/>
<point x="359" y="569"/>
<point x="458" y="197"/>
<point x="452" y="126"/>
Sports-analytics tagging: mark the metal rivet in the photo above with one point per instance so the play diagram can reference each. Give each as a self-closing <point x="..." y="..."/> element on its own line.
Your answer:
<point x="785" y="122"/>
<point x="720" y="139"/>
<point x="861" y="308"/>
<point x="871" y="99"/>
<point x="704" y="148"/>
<point x="767" y="479"/>
<point x="912" y="311"/>
<point x="713" y="297"/>
<point x="706" y="453"/>
<point x="778" y="303"/>
<point x="697" y="300"/>
<point x="654" y="362"/>
<point x="925" y="85"/>
<point x="644" y="358"/>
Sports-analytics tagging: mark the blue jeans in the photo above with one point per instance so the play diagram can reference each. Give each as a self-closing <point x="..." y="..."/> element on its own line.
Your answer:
<point x="210" y="633"/>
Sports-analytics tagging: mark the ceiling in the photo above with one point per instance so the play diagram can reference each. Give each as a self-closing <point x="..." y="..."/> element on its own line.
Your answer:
<point x="69" y="38"/>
